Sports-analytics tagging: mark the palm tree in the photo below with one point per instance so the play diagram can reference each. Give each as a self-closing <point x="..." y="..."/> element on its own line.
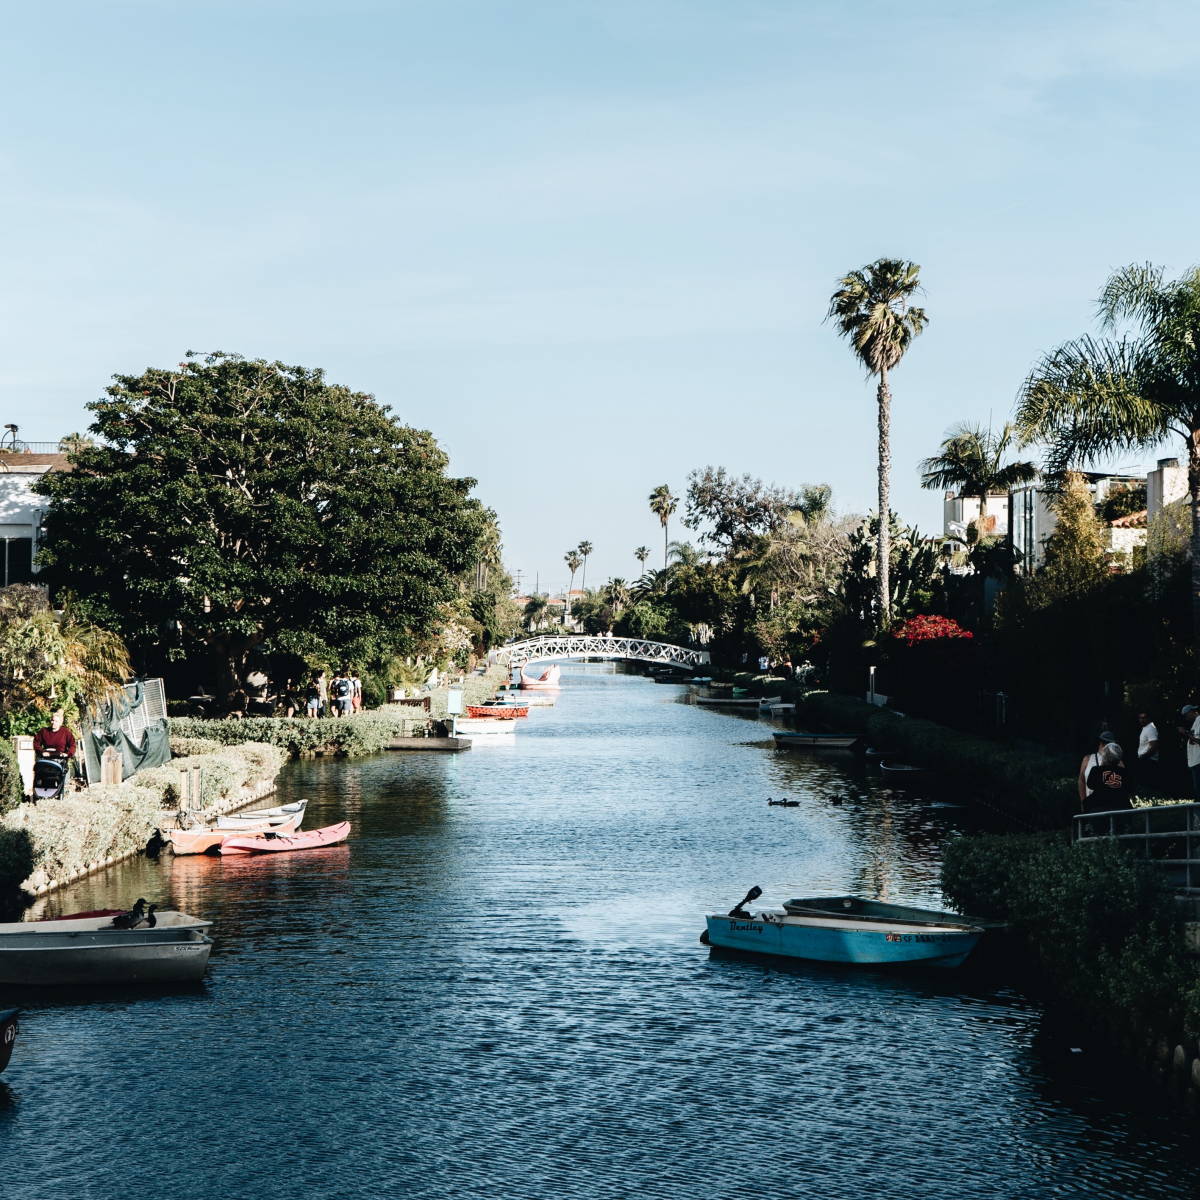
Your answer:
<point x="971" y="461"/>
<point x="662" y="505"/>
<point x="872" y="309"/>
<point x="584" y="548"/>
<point x="573" y="561"/>
<point x="617" y="595"/>
<point x="535" y="611"/>
<point x="641" y="554"/>
<point x="1094" y="397"/>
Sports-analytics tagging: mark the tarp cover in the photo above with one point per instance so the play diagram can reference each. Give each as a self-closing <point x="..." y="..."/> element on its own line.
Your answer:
<point x="103" y="729"/>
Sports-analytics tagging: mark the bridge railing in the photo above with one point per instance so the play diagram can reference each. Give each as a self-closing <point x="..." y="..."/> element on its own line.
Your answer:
<point x="549" y="647"/>
<point x="1167" y="835"/>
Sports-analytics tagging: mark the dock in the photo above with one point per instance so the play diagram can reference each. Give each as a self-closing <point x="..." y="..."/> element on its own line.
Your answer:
<point x="450" y="745"/>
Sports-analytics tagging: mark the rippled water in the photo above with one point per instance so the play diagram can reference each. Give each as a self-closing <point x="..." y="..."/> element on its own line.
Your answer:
<point x="496" y="989"/>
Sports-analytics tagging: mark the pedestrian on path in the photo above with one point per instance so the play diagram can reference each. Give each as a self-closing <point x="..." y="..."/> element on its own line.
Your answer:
<point x="1146" y="780"/>
<point x="1088" y="765"/>
<point x="1108" y="781"/>
<point x="1190" y="732"/>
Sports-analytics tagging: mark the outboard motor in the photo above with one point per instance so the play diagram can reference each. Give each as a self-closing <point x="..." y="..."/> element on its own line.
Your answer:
<point x="49" y="778"/>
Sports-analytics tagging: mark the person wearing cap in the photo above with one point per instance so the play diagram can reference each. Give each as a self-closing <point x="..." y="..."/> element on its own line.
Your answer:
<point x="1089" y="764"/>
<point x="1190" y="732"/>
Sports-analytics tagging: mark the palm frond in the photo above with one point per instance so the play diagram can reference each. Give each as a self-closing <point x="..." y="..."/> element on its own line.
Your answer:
<point x="1090" y="398"/>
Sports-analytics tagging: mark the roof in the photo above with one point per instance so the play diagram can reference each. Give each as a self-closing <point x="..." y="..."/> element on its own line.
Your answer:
<point x="21" y="463"/>
<point x="1135" y="520"/>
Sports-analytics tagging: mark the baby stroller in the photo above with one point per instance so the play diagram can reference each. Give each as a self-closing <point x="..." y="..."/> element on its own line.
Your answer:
<point x="50" y="778"/>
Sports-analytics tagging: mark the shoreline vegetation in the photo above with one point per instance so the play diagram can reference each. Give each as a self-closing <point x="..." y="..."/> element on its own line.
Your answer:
<point x="46" y="845"/>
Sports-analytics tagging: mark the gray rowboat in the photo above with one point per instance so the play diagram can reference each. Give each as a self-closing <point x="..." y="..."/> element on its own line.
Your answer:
<point x="89" y="951"/>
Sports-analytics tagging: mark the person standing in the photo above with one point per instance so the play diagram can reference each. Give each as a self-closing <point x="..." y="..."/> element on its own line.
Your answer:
<point x="1088" y="765"/>
<point x="54" y="740"/>
<point x="340" y="690"/>
<point x="1190" y="732"/>
<point x="1108" y="782"/>
<point x="356" y="696"/>
<point x="1146" y="780"/>
<point x="323" y="692"/>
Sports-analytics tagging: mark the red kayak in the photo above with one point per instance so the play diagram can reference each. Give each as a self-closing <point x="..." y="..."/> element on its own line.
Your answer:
<point x="276" y="843"/>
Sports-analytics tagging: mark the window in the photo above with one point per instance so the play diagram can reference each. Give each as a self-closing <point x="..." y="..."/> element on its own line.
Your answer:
<point x="18" y="560"/>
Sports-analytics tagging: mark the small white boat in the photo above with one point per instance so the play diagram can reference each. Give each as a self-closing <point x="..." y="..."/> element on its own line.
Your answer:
<point x="88" y="950"/>
<point x="485" y="727"/>
<point x="845" y="929"/>
<point x="814" y="741"/>
<point x="264" y="816"/>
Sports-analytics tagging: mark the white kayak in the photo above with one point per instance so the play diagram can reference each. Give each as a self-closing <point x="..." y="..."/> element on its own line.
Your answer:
<point x="263" y="816"/>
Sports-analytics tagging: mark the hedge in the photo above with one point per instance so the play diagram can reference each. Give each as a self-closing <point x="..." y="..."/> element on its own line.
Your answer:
<point x="53" y="839"/>
<point x="12" y="789"/>
<point x="1102" y="933"/>
<point x="366" y="733"/>
<point x="1032" y="785"/>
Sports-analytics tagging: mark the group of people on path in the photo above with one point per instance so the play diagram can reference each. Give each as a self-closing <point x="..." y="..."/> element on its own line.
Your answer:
<point x="1106" y="782"/>
<point x="340" y="696"/>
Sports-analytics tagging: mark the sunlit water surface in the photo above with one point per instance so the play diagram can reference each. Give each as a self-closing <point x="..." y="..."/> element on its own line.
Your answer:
<point x="496" y="989"/>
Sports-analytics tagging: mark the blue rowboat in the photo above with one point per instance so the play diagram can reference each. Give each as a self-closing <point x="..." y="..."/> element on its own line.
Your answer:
<point x="845" y="929"/>
<point x="811" y="741"/>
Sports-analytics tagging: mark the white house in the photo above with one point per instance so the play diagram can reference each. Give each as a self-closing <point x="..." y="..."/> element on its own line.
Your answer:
<point x="960" y="511"/>
<point x="21" y="511"/>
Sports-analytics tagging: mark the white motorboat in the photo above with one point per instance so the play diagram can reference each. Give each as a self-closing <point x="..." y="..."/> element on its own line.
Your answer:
<point x="268" y="818"/>
<point x="89" y="950"/>
<point x="485" y="727"/>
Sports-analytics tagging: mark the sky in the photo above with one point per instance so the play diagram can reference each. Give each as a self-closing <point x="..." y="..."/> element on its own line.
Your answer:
<point x="588" y="243"/>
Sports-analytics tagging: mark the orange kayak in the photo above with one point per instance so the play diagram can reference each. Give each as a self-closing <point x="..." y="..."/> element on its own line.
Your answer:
<point x="201" y="841"/>
<point x="276" y="843"/>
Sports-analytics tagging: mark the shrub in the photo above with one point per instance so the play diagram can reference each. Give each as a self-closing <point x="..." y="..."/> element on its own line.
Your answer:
<point x="12" y="790"/>
<point x="1028" y="783"/>
<point x="366" y="733"/>
<point x="183" y="747"/>
<point x="16" y="857"/>
<point x="1101" y="930"/>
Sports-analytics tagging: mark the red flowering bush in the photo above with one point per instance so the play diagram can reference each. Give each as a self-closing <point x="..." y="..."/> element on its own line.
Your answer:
<point x="930" y="629"/>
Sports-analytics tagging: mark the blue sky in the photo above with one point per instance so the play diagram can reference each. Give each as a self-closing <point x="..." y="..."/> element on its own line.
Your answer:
<point x="588" y="244"/>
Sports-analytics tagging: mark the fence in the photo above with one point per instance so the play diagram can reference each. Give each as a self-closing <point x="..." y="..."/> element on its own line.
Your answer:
<point x="152" y="709"/>
<point x="1167" y="834"/>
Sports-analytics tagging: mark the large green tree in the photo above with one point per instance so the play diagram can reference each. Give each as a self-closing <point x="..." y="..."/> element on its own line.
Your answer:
<point x="873" y="310"/>
<point x="1129" y="390"/>
<point x="234" y="504"/>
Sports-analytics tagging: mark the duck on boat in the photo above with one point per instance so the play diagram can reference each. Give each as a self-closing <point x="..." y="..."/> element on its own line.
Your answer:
<point x="846" y="929"/>
<point x="140" y="946"/>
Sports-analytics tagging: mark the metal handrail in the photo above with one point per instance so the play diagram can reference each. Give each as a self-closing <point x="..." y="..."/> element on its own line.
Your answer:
<point x="1143" y="828"/>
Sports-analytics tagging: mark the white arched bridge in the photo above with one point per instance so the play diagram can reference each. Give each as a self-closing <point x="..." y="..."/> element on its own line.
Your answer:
<point x="545" y="649"/>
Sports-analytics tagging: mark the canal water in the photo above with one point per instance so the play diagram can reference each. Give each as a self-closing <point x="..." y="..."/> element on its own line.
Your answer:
<point x="496" y="990"/>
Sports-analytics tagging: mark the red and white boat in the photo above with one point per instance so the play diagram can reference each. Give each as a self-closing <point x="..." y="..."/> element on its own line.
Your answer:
<point x="278" y="843"/>
<point x="499" y="712"/>
<point x="547" y="681"/>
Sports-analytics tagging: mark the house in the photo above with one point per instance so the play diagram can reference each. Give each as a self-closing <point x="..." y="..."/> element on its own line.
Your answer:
<point x="958" y="512"/>
<point x="1034" y="517"/>
<point x="21" y="509"/>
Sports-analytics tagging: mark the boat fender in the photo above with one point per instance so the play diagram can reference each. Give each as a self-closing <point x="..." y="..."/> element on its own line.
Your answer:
<point x="704" y="938"/>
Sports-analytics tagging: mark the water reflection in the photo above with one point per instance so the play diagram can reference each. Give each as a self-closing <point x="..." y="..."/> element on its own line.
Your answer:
<point x="496" y="989"/>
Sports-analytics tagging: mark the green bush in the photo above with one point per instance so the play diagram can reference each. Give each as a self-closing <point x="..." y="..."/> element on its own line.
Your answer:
<point x="12" y="790"/>
<point x="56" y="838"/>
<point x="16" y="857"/>
<point x="365" y="733"/>
<point x="184" y="747"/>
<point x="1101" y="930"/>
<point x="1026" y="782"/>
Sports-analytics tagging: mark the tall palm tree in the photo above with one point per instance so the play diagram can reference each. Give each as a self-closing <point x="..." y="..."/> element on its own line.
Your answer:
<point x="573" y="561"/>
<point x="584" y="548"/>
<point x="1126" y="392"/>
<point x="873" y="310"/>
<point x="971" y="461"/>
<point x="641" y="554"/>
<point x="535" y="611"/>
<point x="662" y="505"/>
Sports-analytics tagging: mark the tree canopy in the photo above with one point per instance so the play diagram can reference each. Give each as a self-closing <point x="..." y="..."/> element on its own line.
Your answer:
<point x="232" y="504"/>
